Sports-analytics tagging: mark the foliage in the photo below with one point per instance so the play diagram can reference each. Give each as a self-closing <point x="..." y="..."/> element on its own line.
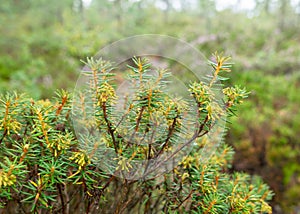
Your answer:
<point x="42" y="42"/>
<point x="45" y="169"/>
<point x="269" y="145"/>
<point x="42" y="39"/>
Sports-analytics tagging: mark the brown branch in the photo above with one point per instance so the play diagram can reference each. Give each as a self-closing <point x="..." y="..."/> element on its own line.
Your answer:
<point x="202" y="126"/>
<point x="170" y="133"/>
<point x="61" y="199"/>
<point x="150" y="148"/>
<point x="122" y="194"/>
<point x="60" y="107"/>
<point x="69" y="199"/>
<point x="211" y="205"/>
<point x="107" y="183"/>
<point x="131" y="200"/>
<point x="109" y="126"/>
<point x="182" y="202"/>
<point x="138" y="120"/>
<point x="194" y="137"/>
<point x="149" y="151"/>
<point x="3" y="136"/>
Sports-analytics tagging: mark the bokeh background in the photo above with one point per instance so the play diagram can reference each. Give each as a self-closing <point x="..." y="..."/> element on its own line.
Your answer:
<point x="43" y="41"/>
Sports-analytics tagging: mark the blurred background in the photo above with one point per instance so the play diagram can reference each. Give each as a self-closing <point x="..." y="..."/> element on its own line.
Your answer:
<point x="42" y="43"/>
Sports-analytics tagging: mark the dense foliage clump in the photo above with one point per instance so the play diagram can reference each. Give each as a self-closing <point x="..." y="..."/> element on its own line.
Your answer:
<point x="46" y="167"/>
<point x="42" y="42"/>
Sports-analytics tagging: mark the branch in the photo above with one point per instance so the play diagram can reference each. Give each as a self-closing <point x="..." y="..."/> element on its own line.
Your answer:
<point x="61" y="198"/>
<point x="194" y="137"/>
<point x="3" y="136"/>
<point x="182" y="202"/>
<point x="109" y="126"/>
<point x="170" y="133"/>
<point x="138" y="120"/>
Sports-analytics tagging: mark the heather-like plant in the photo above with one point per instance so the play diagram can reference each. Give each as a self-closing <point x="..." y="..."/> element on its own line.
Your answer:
<point x="114" y="159"/>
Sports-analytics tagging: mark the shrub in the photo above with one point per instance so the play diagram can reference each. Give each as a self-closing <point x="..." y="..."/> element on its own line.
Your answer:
<point x="46" y="168"/>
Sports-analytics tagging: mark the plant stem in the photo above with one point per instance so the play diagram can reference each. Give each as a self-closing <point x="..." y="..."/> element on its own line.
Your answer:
<point x="109" y="126"/>
<point x="61" y="198"/>
<point x="170" y="133"/>
<point x="138" y="120"/>
<point x="3" y="136"/>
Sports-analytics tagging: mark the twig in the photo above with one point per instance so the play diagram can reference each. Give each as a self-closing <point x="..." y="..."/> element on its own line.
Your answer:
<point x="182" y="202"/>
<point x="61" y="198"/>
<point x="109" y="126"/>
<point x="170" y="133"/>
<point x="3" y="136"/>
<point x="138" y="120"/>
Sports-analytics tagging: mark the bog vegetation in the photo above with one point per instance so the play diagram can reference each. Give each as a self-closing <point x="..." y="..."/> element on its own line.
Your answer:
<point x="45" y="168"/>
<point x="42" y="43"/>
